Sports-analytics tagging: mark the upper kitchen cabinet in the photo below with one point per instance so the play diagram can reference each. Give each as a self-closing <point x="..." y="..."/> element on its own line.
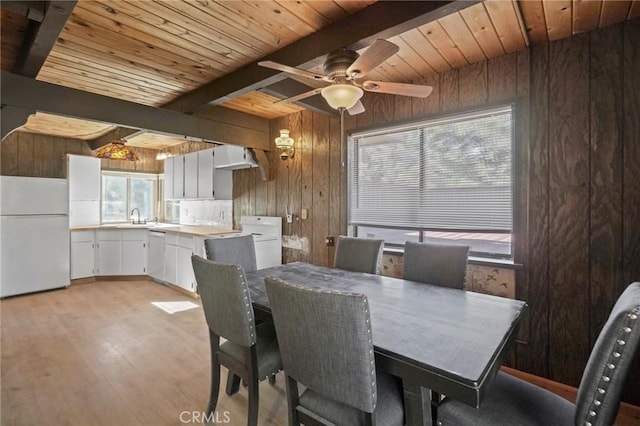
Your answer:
<point x="195" y="175"/>
<point x="233" y="157"/>
<point x="178" y="177"/>
<point x="84" y="190"/>
<point x="84" y="177"/>
<point x="206" y="174"/>
<point x="168" y="178"/>
<point x="212" y="182"/>
<point x="191" y="175"/>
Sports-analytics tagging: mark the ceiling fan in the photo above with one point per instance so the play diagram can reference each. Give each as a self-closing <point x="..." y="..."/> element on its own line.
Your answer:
<point x="343" y="70"/>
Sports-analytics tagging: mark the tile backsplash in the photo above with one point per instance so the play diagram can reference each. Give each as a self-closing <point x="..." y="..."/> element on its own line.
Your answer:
<point x="207" y="212"/>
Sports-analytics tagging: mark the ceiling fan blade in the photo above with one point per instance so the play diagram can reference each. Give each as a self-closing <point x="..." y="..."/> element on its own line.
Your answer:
<point x="377" y="53"/>
<point x="303" y="95"/>
<point x="403" y="89"/>
<point x="292" y="70"/>
<point x="358" y="108"/>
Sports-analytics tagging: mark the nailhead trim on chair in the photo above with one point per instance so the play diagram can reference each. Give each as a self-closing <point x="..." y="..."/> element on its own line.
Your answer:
<point x="611" y="364"/>
<point x="247" y="305"/>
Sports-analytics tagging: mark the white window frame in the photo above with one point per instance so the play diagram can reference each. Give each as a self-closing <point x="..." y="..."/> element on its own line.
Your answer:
<point x="354" y="226"/>
<point x="129" y="175"/>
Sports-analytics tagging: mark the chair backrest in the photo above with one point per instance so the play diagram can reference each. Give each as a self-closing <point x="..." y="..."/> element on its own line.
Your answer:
<point x="611" y="357"/>
<point x="440" y="264"/>
<point x="225" y="299"/>
<point x="358" y="254"/>
<point x="325" y="341"/>
<point x="239" y="250"/>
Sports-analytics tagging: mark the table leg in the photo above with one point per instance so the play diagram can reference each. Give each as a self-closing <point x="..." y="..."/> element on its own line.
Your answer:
<point x="417" y="404"/>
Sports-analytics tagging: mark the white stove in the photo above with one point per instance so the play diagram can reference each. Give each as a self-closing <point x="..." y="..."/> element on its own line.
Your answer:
<point x="267" y="236"/>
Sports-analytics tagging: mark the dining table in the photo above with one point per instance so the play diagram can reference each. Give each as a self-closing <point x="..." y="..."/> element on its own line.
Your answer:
<point x="435" y="339"/>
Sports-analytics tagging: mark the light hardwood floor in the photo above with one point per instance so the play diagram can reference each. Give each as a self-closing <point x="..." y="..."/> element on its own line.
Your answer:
<point x="101" y="354"/>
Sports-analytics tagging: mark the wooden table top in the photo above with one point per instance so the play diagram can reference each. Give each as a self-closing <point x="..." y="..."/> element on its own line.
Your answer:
<point x="448" y="340"/>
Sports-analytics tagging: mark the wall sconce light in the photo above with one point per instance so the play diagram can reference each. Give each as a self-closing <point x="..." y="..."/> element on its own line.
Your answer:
<point x="285" y="143"/>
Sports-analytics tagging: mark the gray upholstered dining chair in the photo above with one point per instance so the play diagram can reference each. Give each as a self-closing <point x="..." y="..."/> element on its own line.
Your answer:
<point x="240" y="250"/>
<point x="511" y="401"/>
<point x="326" y="346"/>
<point x="250" y="352"/>
<point x="358" y="254"/>
<point x="440" y="264"/>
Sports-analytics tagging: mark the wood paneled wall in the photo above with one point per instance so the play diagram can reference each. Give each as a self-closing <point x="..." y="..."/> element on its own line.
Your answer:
<point x="578" y="183"/>
<point x="38" y="155"/>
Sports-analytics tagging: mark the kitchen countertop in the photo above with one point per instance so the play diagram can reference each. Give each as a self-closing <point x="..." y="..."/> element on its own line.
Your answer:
<point x="195" y="230"/>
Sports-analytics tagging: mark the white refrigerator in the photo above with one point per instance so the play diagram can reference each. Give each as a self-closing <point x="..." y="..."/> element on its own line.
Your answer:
<point x="34" y="234"/>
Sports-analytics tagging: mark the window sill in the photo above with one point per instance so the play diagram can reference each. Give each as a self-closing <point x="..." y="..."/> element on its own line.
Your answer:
<point x="482" y="261"/>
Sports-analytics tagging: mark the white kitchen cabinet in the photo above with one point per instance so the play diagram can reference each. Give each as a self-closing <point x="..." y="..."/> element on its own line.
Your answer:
<point x="178" y="177"/>
<point x="191" y="175"/>
<point x="82" y="254"/>
<point x="170" y="258"/>
<point x="205" y="173"/>
<point x="134" y="252"/>
<point x="109" y="253"/>
<point x="84" y="177"/>
<point x="185" y="276"/>
<point x="168" y="178"/>
<point x="223" y="184"/>
<point x="121" y="252"/>
<point x="155" y="255"/>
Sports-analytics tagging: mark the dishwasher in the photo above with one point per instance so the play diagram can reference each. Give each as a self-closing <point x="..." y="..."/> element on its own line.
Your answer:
<point x="156" y="255"/>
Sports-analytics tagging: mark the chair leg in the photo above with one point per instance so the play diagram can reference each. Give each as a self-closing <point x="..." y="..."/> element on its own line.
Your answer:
<point x="215" y="375"/>
<point x="435" y="402"/>
<point x="233" y="384"/>
<point x="292" y="400"/>
<point x="215" y="388"/>
<point x="253" y="403"/>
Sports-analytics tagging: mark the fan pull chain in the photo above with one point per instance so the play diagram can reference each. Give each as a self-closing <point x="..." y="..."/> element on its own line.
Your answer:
<point x="342" y="138"/>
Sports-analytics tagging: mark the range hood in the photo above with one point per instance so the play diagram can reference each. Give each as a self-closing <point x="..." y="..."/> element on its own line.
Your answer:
<point x="233" y="157"/>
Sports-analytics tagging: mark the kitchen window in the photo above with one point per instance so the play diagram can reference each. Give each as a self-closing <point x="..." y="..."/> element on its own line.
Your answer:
<point x="122" y="192"/>
<point x="448" y="179"/>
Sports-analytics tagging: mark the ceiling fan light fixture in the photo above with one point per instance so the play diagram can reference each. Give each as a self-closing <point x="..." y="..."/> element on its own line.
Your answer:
<point x="342" y="95"/>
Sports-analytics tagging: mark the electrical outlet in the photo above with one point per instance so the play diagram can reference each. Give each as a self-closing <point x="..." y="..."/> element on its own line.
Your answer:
<point x="289" y="218"/>
<point x="304" y="214"/>
<point x="329" y="241"/>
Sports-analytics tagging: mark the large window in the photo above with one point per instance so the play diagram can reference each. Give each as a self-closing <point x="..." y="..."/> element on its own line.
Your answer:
<point x="442" y="180"/>
<point x="122" y="192"/>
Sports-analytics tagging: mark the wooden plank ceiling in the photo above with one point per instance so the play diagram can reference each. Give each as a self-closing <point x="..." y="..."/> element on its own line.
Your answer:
<point x="152" y="52"/>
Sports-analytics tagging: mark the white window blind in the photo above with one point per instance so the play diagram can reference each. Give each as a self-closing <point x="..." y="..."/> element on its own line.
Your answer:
<point x="451" y="174"/>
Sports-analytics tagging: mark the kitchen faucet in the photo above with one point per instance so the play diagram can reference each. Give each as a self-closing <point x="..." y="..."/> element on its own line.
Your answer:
<point x="133" y="220"/>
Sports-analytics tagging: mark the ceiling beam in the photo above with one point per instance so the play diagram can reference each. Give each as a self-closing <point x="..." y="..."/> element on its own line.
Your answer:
<point x="33" y="10"/>
<point x="382" y="19"/>
<point x="289" y="87"/>
<point x="22" y="92"/>
<point x="41" y="36"/>
<point x="12" y="117"/>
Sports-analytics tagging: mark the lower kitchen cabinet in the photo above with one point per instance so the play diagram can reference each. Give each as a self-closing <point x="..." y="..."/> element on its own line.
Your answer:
<point x="163" y="256"/>
<point x="134" y="252"/>
<point x="170" y="258"/>
<point x="186" y="278"/>
<point x="121" y="252"/>
<point x="82" y="254"/>
<point x="178" y="269"/>
<point x="108" y="257"/>
<point x="155" y="255"/>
